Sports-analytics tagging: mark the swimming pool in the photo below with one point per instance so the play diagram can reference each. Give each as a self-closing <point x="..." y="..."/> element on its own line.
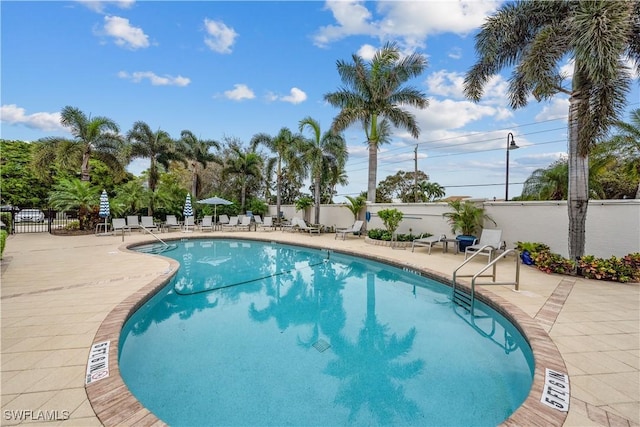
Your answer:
<point x="251" y="333"/>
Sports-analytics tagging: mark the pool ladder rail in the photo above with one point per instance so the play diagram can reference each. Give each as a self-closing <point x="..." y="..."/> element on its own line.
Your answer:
<point x="466" y="300"/>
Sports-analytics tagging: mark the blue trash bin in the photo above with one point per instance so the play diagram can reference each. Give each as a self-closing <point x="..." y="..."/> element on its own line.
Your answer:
<point x="465" y="241"/>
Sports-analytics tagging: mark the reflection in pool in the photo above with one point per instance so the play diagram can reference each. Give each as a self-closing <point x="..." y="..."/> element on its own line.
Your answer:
<point x="251" y="333"/>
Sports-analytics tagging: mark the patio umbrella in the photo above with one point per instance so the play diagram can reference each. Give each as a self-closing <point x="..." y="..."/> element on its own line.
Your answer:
<point x="188" y="210"/>
<point x="104" y="208"/>
<point x="215" y="201"/>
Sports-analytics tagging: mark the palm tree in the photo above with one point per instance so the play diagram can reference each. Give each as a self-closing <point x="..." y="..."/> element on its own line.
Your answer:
<point x="284" y="145"/>
<point x="432" y="190"/>
<point x="325" y="151"/>
<point x="96" y="137"/>
<point x="244" y="164"/>
<point x="69" y="194"/>
<point x="355" y="205"/>
<point x="157" y="146"/>
<point x="548" y="183"/>
<point x="534" y="37"/>
<point x="375" y="91"/>
<point x="196" y="152"/>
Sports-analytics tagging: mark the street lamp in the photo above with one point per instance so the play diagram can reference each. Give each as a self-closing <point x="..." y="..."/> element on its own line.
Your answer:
<point x="511" y="145"/>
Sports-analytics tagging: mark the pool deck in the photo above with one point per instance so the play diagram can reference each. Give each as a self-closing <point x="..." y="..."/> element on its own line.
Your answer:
<point x="57" y="291"/>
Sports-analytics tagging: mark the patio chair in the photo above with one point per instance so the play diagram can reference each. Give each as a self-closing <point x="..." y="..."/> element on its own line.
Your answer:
<point x="118" y="224"/>
<point x="355" y="228"/>
<point x="490" y="242"/>
<point x="223" y="219"/>
<point x="267" y="223"/>
<point x="292" y="226"/>
<point x="257" y="220"/>
<point x="207" y="222"/>
<point x="428" y="241"/>
<point x="171" y="222"/>
<point x="232" y="224"/>
<point x="189" y="223"/>
<point x="246" y="222"/>
<point x="133" y="222"/>
<point x="302" y="226"/>
<point x="146" y="223"/>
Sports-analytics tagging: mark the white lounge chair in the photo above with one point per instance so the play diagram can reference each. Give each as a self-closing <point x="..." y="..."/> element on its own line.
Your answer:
<point x="246" y="222"/>
<point x="133" y="222"/>
<point x="119" y="224"/>
<point x="428" y="242"/>
<point x="302" y="226"/>
<point x="267" y="223"/>
<point x="490" y="242"/>
<point x="171" y="222"/>
<point x="232" y="224"/>
<point x="355" y="228"/>
<point x="223" y="219"/>
<point x="292" y="226"/>
<point x="207" y="222"/>
<point x="189" y="224"/>
<point x="146" y="223"/>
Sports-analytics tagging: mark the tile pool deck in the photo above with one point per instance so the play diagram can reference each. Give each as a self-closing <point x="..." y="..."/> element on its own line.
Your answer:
<point x="57" y="291"/>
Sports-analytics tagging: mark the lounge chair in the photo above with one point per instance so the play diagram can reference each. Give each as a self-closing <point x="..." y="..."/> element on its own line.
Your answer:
<point x="490" y="242"/>
<point x="292" y="226"/>
<point x="207" y="222"/>
<point x="355" y="228"/>
<point x="146" y="223"/>
<point x="171" y="222"/>
<point x="302" y="226"/>
<point x="257" y="220"/>
<point x="118" y="224"/>
<point x="428" y="241"/>
<point x="232" y="224"/>
<point x="223" y="219"/>
<point x="246" y="222"/>
<point x="189" y="224"/>
<point x="133" y="222"/>
<point x="267" y="223"/>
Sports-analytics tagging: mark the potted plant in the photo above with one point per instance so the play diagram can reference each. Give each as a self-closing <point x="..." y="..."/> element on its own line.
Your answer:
<point x="467" y="218"/>
<point x="529" y="251"/>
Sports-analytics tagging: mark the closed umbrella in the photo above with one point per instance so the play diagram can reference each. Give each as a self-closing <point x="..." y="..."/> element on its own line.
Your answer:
<point x="188" y="211"/>
<point x="215" y="201"/>
<point x="104" y="208"/>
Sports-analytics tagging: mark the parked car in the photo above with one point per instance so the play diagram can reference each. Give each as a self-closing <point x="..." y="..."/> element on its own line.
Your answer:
<point x="29" y="215"/>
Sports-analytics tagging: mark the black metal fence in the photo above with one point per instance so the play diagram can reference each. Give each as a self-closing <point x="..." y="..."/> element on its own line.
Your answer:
<point x="34" y="220"/>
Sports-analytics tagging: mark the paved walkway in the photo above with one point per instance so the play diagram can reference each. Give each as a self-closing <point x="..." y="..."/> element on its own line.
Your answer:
<point x="56" y="291"/>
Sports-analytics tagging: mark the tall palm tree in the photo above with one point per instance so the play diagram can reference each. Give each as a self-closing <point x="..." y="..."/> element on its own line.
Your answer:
<point x="157" y="146"/>
<point x="431" y="190"/>
<point x="284" y="145"/>
<point x="534" y="37"/>
<point x="244" y="164"/>
<point x="323" y="152"/>
<point x="375" y="91"/>
<point x="196" y="152"/>
<point x="96" y="137"/>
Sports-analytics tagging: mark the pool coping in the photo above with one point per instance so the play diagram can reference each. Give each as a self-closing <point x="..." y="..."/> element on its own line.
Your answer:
<point x="114" y="404"/>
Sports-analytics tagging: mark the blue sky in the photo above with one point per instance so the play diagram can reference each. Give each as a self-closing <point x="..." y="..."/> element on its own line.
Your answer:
<point x="237" y="68"/>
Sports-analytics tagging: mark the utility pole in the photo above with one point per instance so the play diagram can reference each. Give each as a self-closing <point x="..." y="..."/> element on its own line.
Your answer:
<point x="415" y="174"/>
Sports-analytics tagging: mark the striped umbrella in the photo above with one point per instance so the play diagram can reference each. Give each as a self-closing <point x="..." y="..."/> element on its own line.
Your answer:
<point x="188" y="210"/>
<point x="104" y="208"/>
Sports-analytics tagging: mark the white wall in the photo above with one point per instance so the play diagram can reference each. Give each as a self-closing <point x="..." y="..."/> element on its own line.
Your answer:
<point x="613" y="226"/>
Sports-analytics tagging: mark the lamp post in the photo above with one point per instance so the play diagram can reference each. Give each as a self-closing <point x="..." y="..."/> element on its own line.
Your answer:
<point x="511" y="145"/>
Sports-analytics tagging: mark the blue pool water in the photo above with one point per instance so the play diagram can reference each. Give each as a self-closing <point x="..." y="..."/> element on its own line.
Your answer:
<point x="264" y="334"/>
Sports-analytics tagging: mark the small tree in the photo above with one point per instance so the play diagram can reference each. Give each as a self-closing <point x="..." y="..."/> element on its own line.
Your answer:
<point x="355" y="205"/>
<point x="391" y="219"/>
<point x="302" y="204"/>
<point x="466" y="217"/>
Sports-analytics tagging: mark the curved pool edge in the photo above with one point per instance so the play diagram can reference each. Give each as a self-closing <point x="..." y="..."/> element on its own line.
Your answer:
<point x="114" y="405"/>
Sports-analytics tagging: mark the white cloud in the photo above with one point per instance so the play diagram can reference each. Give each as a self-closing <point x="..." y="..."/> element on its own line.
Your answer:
<point x="450" y="114"/>
<point x="220" y="37"/>
<point x="455" y="53"/>
<point x="296" y="96"/>
<point x="557" y="108"/>
<point x="367" y="52"/>
<point x="239" y="92"/>
<point x="12" y="114"/>
<point x="446" y="83"/>
<point x="410" y="21"/>
<point x="100" y="6"/>
<point x="154" y="79"/>
<point x="124" y="33"/>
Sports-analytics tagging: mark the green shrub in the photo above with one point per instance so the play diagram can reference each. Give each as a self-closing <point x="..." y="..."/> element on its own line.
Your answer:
<point x="380" y="234"/>
<point x="6" y="218"/>
<point x="615" y="269"/>
<point x="72" y="225"/>
<point x="3" y="241"/>
<point x="550" y="262"/>
<point x="391" y="219"/>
